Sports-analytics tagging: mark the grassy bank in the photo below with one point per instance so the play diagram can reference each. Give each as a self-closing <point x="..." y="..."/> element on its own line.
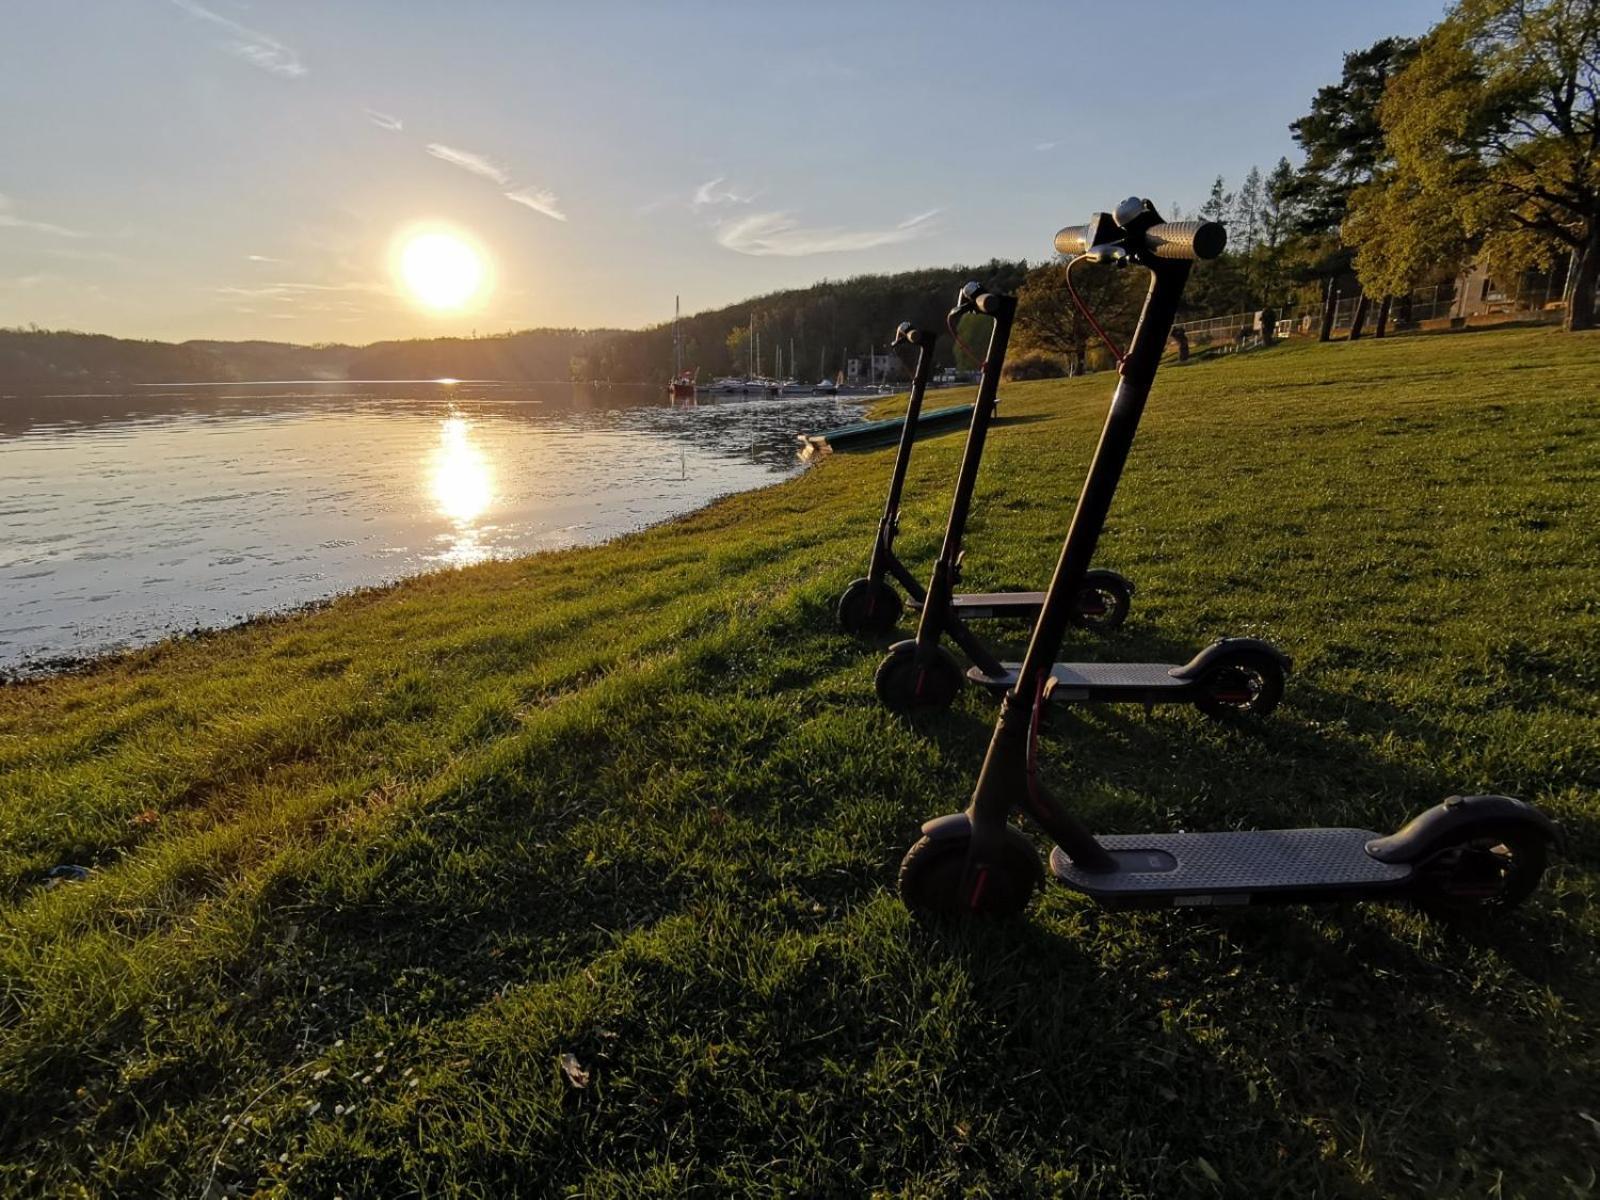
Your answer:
<point x="363" y="877"/>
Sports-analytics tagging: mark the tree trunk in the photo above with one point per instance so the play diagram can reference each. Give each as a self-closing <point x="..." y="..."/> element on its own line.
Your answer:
<point x="1182" y="339"/>
<point x="1330" y="305"/>
<point x="1383" y="317"/>
<point x="1359" y="321"/>
<point x="1580" y="307"/>
<point x="1405" y="318"/>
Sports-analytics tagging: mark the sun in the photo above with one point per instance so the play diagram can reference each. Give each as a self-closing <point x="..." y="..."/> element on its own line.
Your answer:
<point x="441" y="270"/>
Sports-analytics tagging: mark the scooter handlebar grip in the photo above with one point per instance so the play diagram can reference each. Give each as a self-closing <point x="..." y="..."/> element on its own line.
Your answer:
<point x="1074" y="239"/>
<point x="992" y="304"/>
<point x="1190" y="240"/>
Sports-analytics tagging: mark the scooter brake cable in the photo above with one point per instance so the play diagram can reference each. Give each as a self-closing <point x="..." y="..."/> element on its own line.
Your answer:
<point x="950" y="324"/>
<point x="1033" y="744"/>
<point x="1088" y="315"/>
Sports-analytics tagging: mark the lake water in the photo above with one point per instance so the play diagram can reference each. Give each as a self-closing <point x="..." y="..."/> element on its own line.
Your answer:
<point x="124" y="518"/>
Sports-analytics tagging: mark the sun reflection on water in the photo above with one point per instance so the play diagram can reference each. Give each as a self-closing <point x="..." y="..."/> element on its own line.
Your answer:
<point x="463" y="489"/>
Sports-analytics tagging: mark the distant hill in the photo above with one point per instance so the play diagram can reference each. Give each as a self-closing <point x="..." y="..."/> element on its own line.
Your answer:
<point x="57" y="359"/>
<point x="815" y="329"/>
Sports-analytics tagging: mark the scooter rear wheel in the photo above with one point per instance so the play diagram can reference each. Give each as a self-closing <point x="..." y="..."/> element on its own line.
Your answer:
<point x="1245" y="683"/>
<point x="869" y="607"/>
<point x="905" y="685"/>
<point x="931" y="873"/>
<point x="1104" y="601"/>
<point x="1487" y="869"/>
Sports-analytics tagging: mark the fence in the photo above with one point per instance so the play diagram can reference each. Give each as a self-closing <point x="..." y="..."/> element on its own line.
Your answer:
<point x="1533" y="296"/>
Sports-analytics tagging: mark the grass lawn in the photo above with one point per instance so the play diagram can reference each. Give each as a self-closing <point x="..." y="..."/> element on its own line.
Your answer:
<point x="363" y="877"/>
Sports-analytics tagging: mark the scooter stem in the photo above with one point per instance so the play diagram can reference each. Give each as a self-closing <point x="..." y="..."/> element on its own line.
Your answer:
<point x="1005" y="765"/>
<point x="937" y="617"/>
<point x="923" y="371"/>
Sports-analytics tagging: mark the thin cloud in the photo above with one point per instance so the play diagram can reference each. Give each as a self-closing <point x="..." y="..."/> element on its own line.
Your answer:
<point x="384" y="121"/>
<point x="254" y="47"/>
<point x="541" y="200"/>
<point x="75" y="255"/>
<point x="711" y="194"/>
<point x="781" y="235"/>
<point x="262" y="258"/>
<point x="468" y="161"/>
<point x="1042" y="147"/>
<point x="297" y="290"/>
<point x="10" y="220"/>
<point x="656" y="205"/>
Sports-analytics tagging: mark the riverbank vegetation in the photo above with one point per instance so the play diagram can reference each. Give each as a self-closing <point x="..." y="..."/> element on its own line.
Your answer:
<point x="575" y="873"/>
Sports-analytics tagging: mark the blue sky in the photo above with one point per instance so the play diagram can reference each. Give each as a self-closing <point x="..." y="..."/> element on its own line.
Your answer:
<point x="175" y="169"/>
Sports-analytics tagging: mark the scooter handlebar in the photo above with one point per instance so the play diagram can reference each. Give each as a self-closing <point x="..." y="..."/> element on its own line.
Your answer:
<point x="1073" y="240"/>
<point x="1189" y="240"/>
<point x="908" y="333"/>
<point x="972" y="298"/>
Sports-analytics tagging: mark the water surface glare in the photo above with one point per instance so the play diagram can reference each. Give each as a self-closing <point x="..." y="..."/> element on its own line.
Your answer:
<point x="124" y="518"/>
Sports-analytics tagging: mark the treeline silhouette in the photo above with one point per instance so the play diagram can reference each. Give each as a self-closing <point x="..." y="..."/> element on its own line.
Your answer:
<point x="814" y="330"/>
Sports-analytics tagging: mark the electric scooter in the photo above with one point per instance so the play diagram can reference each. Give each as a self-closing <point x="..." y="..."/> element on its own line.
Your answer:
<point x="1229" y="678"/>
<point x="1468" y="852"/>
<point x="870" y="606"/>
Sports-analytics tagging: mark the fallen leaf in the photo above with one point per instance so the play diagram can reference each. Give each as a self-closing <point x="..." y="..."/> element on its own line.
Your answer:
<point x="574" y="1071"/>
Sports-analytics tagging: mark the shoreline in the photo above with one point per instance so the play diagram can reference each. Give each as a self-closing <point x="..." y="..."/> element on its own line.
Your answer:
<point x="137" y="618"/>
<point x="52" y="667"/>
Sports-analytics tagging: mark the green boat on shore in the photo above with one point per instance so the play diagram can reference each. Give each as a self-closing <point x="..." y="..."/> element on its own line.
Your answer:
<point x="871" y="434"/>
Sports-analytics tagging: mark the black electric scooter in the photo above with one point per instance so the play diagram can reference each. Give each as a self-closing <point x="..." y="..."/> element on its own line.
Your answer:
<point x="1470" y="851"/>
<point x="870" y="605"/>
<point x="1230" y="677"/>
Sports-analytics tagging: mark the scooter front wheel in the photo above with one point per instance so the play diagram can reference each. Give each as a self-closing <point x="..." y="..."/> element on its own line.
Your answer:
<point x="932" y="870"/>
<point x="1244" y="683"/>
<point x="1104" y="600"/>
<point x="869" y="606"/>
<point x="905" y="684"/>
<point x="1494" y="867"/>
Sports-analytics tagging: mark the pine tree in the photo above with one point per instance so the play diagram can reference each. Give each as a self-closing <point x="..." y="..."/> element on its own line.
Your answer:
<point x="1248" y="209"/>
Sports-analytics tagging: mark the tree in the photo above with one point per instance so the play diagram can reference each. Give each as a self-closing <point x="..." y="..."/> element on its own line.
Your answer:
<point x="1249" y="211"/>
<point x="738" y="343"/>
<point x="1402" y="234"/>
<point x="1219" y="205"/>
<point x="1494" y="130"/>
<point x="1279" y="208"/>
<point x="1049" y="322"/>
<point x="1342" y="136"/>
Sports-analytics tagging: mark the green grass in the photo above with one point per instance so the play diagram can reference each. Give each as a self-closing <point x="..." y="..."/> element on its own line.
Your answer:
<point x="363" y="876"/>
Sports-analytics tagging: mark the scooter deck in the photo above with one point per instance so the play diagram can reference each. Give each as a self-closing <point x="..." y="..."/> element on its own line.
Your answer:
<point x="974" y="606"/>
<point x="1075" y="681"/>
<point x="1228" y="868"/>
<point x="981" y="606"/>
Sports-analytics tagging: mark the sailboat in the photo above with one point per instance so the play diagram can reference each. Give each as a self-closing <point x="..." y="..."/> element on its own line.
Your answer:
<point x="682" y="386"/>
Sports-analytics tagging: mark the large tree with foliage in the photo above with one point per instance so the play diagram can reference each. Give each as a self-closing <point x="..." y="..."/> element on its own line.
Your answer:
<point x="1342" y="139"/>
<point x="1048" y="320"/>
<point x="1496" y="141"/>
<point x="1342" y="136"/>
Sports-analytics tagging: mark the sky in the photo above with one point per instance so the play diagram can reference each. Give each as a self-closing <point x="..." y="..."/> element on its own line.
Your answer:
<point x="180" y="169"/>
